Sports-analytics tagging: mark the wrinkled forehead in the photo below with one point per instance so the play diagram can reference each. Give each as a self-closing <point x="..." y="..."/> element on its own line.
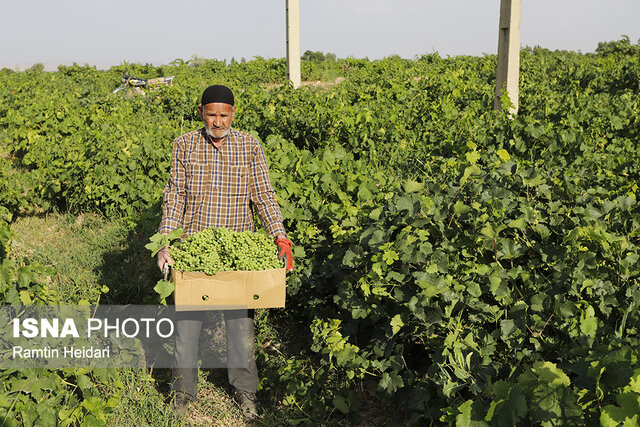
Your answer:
<point x="217" y="108"/>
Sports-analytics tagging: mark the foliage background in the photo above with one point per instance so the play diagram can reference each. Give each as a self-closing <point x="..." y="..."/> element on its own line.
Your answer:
<point x="457" y="264"/>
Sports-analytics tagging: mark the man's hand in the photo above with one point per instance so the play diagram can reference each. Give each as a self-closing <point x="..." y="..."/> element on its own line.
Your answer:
<point x="164" y="258"/>
<point x="285" y="250"/>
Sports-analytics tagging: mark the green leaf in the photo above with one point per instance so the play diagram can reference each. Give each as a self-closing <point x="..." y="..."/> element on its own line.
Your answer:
<point x="377" y="237"/>
<point x="29" y="414"/>
<point x="469" y="171"/>
<point x="533" y="181"/>
<point x="164" y="288"/>
<point x="404" y="204"/>
<point x="473" y="157"/>
<point x="375" y="214"/>
<point x="94" y="405"/>
<point x="459" y="207"/>
<point x="509" y="406"/>
<point x="555" y="405"/>
<point x="491" y="231"/>
<point x="520" y="224"/>
<point x="509" y="249"/>
<point x="627" y="413"/>
<point x="157" y="242"/>
<point x="470" y="415"/>
<point x="46" y="416"/>
<point x="364" y="194"/>
<point x="25" y="297"/>
<point x="175" y="234"/>
<point x="634" y="382"/>
<point x="413" y="186"/>
<point x="588" y="322"/>
<point x="507" y="326"/>
<point x="474" y="289"/>
<point x="85" y="383"/>
<point x="340" y="403"/>
<point x="390" y="256"/>
<point x="543" y="231"/>
<point x="390" y="382"/>
<point x="350" y="258"/>
<point x="396" y="324"/>
<point x="549" y="373"/>
<point x="537" y="302"/>
<point x="503" y="154"/>
<point x="92" y="420"/>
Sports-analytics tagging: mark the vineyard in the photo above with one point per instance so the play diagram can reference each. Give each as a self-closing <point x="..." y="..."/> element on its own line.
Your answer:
<point x="453" y="265"/>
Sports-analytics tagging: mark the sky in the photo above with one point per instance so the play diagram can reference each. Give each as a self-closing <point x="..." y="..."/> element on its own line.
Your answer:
<point x="109" y="33"/>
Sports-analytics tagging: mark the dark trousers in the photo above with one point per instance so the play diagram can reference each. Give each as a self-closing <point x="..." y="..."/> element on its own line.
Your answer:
<point x="241" y="365"/>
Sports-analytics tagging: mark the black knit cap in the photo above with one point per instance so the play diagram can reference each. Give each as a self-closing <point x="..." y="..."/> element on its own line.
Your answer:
<point x="217" y="93"/>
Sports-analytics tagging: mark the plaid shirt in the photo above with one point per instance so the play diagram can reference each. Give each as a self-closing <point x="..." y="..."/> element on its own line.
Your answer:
<point x="213" y="187"/>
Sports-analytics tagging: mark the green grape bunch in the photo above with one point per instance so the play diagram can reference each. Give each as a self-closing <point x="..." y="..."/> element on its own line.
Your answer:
<point x="221" y="249"/>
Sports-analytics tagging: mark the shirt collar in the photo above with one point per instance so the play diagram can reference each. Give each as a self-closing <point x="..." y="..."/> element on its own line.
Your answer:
<point x="209" y="139"/>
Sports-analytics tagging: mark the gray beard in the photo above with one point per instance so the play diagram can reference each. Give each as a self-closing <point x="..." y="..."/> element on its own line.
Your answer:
<point x="208" y="131"/>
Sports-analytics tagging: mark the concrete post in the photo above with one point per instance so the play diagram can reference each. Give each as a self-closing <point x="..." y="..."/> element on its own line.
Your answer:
<point x="293" y="42"/>
<point x="508" y="72"/>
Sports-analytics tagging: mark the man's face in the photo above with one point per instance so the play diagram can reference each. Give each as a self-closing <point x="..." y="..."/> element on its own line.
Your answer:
<point x="217" y="118"/>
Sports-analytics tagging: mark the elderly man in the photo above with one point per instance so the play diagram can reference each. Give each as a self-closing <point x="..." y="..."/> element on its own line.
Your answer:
<point x="217" y="173"/>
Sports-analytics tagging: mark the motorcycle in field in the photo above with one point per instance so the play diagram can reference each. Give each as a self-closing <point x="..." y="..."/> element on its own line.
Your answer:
<point x="134" y="85"/>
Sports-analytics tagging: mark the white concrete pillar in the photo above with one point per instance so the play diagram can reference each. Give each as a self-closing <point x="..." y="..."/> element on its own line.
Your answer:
<point x="508" y="73"/>
<point x="293" y="42"/>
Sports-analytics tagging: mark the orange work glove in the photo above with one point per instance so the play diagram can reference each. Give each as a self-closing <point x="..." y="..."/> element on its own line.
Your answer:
<point x="285" y="250"/>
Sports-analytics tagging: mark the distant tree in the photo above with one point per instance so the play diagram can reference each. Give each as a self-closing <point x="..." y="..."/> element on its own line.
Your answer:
<point x="623" y="46"/>
<point x="318" y="56"/>
<point x="197" y="61"/>
<point x="37" y="68"/>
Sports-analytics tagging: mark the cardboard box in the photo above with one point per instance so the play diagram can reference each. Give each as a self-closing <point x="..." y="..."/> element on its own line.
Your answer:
<point x="228" y="290"/>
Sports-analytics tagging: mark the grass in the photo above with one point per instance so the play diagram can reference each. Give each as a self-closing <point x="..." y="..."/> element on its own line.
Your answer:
<point x="89" y="253"/>
<point x="75" y="246"/>
<point x="142" y="403"/>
